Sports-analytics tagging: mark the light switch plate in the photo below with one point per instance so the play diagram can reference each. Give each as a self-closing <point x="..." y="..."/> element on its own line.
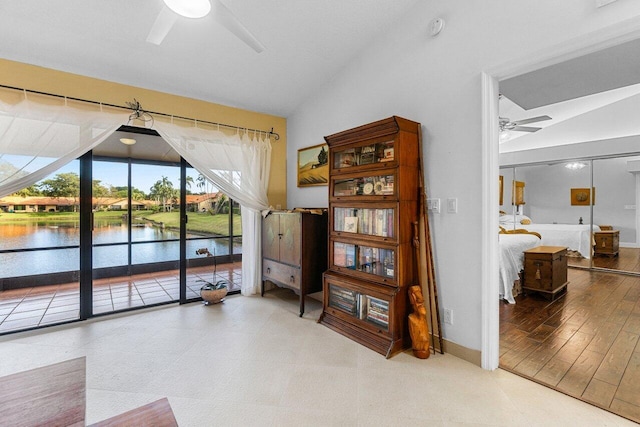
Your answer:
<point x="452" y="205"/>
<point x="433" y="205"/>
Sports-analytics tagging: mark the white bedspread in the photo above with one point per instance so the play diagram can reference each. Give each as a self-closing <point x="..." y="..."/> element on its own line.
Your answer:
<point x="573" y="236"/>
<point x="512" y="247"/>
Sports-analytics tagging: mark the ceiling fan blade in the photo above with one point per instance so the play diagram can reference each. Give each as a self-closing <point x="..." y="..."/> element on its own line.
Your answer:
<point x="165" y="20"/>
<point x="226" y="18"/>
<point x="531" y="120"/>
<point x="524" y="129"/>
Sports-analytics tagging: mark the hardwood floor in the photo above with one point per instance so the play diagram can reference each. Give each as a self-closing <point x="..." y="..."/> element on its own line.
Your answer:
<point x="584" y="344"/>
<point x="628" y="259"/>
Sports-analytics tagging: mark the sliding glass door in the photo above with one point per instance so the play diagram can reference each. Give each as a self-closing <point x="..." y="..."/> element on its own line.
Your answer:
<point x="40" y="250"/>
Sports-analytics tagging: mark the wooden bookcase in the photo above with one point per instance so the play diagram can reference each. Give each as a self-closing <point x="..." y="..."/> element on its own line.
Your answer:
<point x="373" y="204"/>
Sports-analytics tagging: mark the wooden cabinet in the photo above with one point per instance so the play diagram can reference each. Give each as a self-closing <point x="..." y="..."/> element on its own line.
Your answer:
<point x="373" y="204"/>
<point x="607" y="242"/>
<point x="294" y="251"/>
<point x="545" y="270"/>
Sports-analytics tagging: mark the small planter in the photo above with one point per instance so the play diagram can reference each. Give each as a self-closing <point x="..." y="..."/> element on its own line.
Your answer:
<point x="214" y="293"/>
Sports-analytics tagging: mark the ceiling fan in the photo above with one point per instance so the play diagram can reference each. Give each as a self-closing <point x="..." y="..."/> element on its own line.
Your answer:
<point x="175" y="9"/>
<point x="506" y="124"/>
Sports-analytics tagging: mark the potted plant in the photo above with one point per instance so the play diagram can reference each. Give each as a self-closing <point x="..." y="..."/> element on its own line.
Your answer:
<point x="212" y="292"/>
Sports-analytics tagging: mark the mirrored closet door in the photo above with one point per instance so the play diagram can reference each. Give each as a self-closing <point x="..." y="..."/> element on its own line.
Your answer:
<point x="588" y="206"/>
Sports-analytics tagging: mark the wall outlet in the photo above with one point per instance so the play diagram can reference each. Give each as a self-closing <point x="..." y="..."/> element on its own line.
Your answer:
<point x="448" y="316"/>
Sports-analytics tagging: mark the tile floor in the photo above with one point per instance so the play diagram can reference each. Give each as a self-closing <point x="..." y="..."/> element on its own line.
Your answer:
<point x="252" y="361"/>
<point x="44" y="305"/>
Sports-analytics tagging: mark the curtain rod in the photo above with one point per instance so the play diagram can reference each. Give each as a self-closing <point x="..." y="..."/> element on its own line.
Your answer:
<point x="276" y="136"/>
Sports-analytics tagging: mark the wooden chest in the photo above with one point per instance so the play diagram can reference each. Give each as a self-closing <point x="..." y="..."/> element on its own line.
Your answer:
<point x="607" y="242"/>
<point x="545" y="270"/>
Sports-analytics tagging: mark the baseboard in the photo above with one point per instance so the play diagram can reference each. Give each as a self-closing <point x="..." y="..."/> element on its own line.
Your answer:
<point x="461" y="352"/>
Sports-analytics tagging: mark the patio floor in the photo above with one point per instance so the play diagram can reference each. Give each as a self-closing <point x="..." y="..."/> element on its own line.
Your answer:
<point x="27" y="308"/>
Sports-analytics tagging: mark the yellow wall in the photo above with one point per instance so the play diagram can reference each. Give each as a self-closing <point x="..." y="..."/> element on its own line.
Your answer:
<point x="75" y="86"/>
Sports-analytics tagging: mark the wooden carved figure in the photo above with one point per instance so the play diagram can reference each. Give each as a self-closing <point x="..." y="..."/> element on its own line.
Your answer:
<point x="418" y="325"/>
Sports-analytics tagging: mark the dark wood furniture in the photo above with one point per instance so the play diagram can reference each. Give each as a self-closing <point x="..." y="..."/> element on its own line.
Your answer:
<point x="294" y="250"/>
<point x="545" y="270"/>
<point x="49" y="395"/>
<point x="154" y="414"/>
<point x="373" y="204"/>
<point x="607" y="242"/>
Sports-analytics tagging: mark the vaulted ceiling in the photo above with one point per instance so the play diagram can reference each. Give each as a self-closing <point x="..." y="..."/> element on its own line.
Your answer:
<point x="306" y="43"/>
<point x="593" y="97"/>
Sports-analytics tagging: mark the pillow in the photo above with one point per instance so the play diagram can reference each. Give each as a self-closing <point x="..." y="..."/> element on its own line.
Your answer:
<point x="514" y="219"/>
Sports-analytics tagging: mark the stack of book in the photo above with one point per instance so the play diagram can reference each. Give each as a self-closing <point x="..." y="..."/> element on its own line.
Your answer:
<point x="377" y="311"/>
<point x="344" y="299"/>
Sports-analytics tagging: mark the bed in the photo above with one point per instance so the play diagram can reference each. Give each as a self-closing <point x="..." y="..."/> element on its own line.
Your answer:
<point x="511" y="261"/>
<point x="575" y="237"/>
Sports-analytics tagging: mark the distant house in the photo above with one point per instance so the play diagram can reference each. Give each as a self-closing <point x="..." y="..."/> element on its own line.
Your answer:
<point x="201" y="202"/>
<point x="38" y="204"/>
<point x="121" y="204"/>
<point x="195" y="203"/>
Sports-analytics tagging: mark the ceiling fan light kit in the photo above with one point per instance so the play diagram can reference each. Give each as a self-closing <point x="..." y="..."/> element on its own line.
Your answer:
<point x="175" y="9"/>
<point x="516" y="125"/>
<point x="189" y="8"/>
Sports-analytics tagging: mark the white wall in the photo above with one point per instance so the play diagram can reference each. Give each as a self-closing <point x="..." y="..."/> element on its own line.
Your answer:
<point x="548" y="191"/>
<point x="437" y="81"/>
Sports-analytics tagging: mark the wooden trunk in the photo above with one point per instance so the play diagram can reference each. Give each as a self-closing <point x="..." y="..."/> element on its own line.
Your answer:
<point x="607" y="242"/>
<point x="545" y="270"/>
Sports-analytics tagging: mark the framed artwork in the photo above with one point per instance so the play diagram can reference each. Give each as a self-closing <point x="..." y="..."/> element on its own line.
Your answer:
<point x="501" y="184"/>
<point x="517" y="196"/>
<point x="583" y="197"/>
<point x="313" y="165"/>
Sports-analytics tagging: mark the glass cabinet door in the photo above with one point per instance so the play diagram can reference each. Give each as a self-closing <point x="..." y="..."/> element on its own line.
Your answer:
<point x="367" y="308"/>
<point x="362" y="258"/>
<point x="368" y="154"/>
<point x="367" y="221"/>
<point x="378" y="185"/>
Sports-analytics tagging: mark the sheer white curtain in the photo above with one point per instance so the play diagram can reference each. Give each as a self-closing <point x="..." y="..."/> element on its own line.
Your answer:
<point x="39" y="135"/>
<point x="239" y="166"/>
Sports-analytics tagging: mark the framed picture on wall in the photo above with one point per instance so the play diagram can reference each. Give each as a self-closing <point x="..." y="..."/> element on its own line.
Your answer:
<point x="583" y="197"/>
<point x="313" y="165"/>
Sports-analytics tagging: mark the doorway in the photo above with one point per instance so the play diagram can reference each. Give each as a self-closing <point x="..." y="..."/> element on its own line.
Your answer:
<point x="490" y="347"/>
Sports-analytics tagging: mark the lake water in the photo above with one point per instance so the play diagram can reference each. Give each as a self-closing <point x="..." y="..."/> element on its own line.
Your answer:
<point x="43" y="235"/>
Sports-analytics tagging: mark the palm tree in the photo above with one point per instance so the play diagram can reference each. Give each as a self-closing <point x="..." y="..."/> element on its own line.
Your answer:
<point x="162" y="190"/>
<point x="202" y="183"/>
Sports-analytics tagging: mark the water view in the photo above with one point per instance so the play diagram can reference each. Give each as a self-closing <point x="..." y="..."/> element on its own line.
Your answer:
<point x="150" y="243"/>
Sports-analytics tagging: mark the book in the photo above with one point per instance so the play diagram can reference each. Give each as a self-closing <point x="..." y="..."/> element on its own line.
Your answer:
<point x="388" y="155"/>
<point x="340" y="254"/>
<point x="350" y="224"/>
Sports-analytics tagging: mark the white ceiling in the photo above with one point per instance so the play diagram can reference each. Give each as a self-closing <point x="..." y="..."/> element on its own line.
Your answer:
<point x="589" y="98"/>
<point x="307" y="42"/>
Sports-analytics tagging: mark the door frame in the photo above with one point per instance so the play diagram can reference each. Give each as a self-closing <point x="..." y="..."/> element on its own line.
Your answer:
<point x="609" y="36"/>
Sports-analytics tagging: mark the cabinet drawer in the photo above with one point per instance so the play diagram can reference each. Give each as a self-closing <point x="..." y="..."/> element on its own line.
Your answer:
<point x="281" y="274"/>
